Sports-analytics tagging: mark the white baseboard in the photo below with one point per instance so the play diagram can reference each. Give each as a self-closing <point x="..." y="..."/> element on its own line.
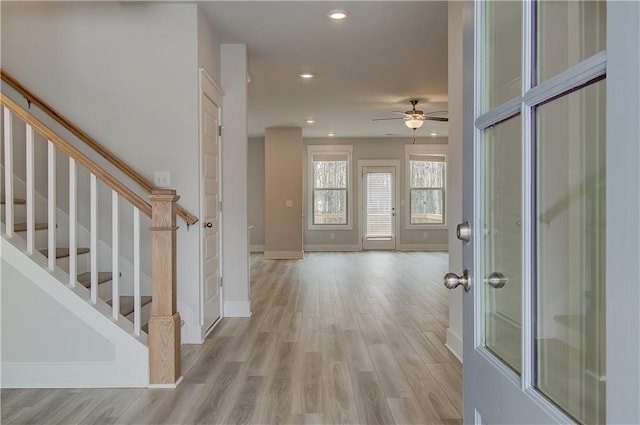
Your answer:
<point x="72" y="375"/>
<point x="283" y="255"/>
<point x="237" y="309"/>
<point x="454" y="344"/>
<point x="256" y="248"/>
<point x="168" y="386"/>
<point x="332" y="248"/>
<point x="432" y="247"/>
<point x="191" y="334"/>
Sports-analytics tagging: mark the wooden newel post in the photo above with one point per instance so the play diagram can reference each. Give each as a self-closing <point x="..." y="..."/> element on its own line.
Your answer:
<point x="164" y="325"/>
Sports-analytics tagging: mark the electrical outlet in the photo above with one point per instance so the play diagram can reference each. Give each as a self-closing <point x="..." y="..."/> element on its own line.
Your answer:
<point x="425" y="235"/>
<point x="332" y="236"/>
<point x="288" y="203"/>
<point x="162" y="178"/>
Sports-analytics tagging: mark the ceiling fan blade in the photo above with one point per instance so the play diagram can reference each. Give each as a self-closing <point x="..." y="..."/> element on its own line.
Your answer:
<point x="441" y="119"/>
<point x="384" y="119"/>
<point x="444" y="111"/>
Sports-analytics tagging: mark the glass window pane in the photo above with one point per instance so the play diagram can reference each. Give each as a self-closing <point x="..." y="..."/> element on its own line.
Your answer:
<point x="427" y="173"/>
<point x="427" y="206"/>
<point x="330" y="174"/>
<point x="568" y="32"/>
<point x="502" y="244"/>
<point x="570" y="222"/>
<point x="503" y="51"/>
<point x="379" y="205"/>
<point x="330" y="206"/>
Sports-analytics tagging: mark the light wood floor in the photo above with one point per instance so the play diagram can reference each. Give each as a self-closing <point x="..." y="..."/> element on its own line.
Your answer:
<point x="349" y="338"/>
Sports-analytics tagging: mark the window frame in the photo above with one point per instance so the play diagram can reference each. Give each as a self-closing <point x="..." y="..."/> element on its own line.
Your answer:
<point x="417" y="150"/>
<point x="337" y="150"/>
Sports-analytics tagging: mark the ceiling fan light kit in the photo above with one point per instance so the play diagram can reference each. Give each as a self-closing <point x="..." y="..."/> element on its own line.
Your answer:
<point x="414" y="118"/>
<point x="413" y="123"/>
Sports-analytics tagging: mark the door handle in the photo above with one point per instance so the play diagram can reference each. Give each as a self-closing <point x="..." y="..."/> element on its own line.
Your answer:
<point x="463" y="231"/>
<point x="208" y="224"/>
<point x="497" y="280"/>
<point x="452" y="280"/>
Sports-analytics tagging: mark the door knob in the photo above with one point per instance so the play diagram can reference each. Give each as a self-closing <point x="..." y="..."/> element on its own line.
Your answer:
<point x="497" y="280"/>
<point x="452" y="280"/>
<point x="463" y="231"/>
<point x="208" y="224"/>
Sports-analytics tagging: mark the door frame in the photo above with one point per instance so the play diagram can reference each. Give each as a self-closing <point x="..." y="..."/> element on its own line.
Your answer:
<point x="208" y="87"/>
<point x="622" y="221"/>
<point x="377" y="163"/>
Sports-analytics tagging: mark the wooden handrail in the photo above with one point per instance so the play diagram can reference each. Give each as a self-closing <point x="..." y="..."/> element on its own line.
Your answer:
<point x="78" y="156"/>
<point x="93" y="144"/>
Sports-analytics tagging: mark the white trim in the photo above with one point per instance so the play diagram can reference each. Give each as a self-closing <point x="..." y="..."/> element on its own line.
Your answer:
<point x="256" y="248"/>
<point x="337" y="150"/>
<point x="168" y="386"/>
<point x="283" y="255"/>
<point x="207" y="87"/>
<point x="499" y="114"/>
<point x="362" y="164"/>
<point x="454" y="344"/>
<point x="237" y="309"/>
<point x="432" y="247"/>
<point x="582" y="73"/>
<point x="423" y="150"/>
<point x="332" y="248"/>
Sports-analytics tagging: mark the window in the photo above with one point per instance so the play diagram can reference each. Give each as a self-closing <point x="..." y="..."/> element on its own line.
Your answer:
<point x="426" y="185"/>
<point x="329" y="174"/>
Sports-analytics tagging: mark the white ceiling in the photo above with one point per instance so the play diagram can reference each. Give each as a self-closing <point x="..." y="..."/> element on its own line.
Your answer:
<point x="368" y="65"/>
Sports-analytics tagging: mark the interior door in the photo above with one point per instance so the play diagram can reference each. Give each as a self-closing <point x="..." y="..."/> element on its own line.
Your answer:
<point x="534" y="197"/>
<point x="379" y="208"/>
<point x="210" y="216"/>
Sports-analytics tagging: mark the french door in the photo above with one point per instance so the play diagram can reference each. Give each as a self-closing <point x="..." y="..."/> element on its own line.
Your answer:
<point x="544" y="196"/>
<point x="378" y="202"/>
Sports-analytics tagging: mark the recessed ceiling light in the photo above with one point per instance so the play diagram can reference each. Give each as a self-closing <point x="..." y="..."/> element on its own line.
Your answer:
<point x="433" y="134"/>
<point x="337" y="14"/>
<point x="306" y="75"/>
<point x="331" y="134"/>
<point x="310" y="121"/>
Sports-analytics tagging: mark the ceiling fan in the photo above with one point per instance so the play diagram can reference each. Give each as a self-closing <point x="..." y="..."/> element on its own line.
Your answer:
<point x="414" y="118"/>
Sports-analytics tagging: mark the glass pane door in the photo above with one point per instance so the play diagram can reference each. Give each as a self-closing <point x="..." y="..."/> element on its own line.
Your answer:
<point x="502" y="219"/>
<point x="570" y="332"/>
<point x="379" y="207"/>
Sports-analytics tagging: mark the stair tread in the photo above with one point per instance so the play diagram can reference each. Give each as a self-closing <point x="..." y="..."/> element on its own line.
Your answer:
<point x="126" y="303"/>
<point x="64" y="252"/>
<point x="85" y="278"/>
<point x="16" y="201"/>
<point x="22" y="227"/>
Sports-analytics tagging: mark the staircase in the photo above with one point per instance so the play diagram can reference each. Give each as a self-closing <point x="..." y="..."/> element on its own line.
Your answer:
<point x="100" y="241"/>
<point x="127" y="303"/>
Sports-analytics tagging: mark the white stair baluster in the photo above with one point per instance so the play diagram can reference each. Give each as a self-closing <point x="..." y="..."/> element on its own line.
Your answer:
<point x="8" y="172"/>
<point x="115" y="253"/>
<point x="136" y="271"/>
<point x="94" y="239"/>
<point x="51" y="196"/>
<point x="31" y="211"/>
<point x="73" y="194"/>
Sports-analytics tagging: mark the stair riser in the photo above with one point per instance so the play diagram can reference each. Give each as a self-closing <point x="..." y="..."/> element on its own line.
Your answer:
<point x="145" y="314"/>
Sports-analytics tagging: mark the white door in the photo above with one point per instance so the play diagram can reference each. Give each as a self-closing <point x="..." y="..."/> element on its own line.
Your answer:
<point x="550" y="209"/>
<point x="210" y="213"/>
<point x="379" y="207"/>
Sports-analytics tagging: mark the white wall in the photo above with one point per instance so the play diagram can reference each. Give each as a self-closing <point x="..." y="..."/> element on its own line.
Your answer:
<point x="127" y="73"/>
<point x="454" y="173"/>
<point x="235" y="244"/>
<point x="52" y="337"/>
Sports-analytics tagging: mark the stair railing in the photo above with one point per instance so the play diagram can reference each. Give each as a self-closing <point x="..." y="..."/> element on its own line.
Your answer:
<point x="31" y="98"/>
<point x="164" y="324"/>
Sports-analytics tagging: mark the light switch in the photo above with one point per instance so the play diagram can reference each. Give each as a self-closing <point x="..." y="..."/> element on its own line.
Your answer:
<point x="162" y="178"/>
<point x="288" y="203"/>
